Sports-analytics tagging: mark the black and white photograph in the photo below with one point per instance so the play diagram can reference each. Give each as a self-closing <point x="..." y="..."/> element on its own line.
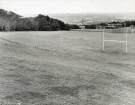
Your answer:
<point x="67" y="52"/>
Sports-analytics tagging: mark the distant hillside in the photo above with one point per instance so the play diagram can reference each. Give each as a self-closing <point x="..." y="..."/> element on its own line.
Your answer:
<point x="10" y="21"/>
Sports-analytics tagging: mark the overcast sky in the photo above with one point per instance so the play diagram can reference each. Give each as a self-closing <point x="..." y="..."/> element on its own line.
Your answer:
<point x="25" y="7"/>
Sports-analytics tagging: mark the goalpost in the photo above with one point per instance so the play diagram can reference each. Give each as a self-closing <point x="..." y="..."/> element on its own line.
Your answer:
<point x="125" y="42"/>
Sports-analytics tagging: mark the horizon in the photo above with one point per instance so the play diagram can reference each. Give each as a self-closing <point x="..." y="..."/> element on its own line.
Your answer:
<point x="60" y="14"/>
<point x="34" y="7"/>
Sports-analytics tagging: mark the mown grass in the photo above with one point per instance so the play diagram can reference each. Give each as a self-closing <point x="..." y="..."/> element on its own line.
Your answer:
<point x="65" y="68"/>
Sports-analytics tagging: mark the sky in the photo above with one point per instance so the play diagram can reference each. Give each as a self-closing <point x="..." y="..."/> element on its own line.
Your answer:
<point x="27" y="7"/>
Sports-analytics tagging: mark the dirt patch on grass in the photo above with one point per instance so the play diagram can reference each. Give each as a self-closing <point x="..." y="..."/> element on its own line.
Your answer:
<point x="72" y="91"/>
<point x="25" y="96"/>
<point x="19" y="79"/>
<point x="47" y="79"/>
<point x="129" y="83"/>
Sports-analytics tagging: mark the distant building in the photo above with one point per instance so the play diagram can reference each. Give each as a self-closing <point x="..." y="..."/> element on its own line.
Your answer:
<point x="99" y="27"/>
<point x="82" y="27"/>
<point x="113" y="26"/>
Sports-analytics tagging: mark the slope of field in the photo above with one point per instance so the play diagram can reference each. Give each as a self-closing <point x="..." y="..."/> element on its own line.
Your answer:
<point x="65" y="68"/>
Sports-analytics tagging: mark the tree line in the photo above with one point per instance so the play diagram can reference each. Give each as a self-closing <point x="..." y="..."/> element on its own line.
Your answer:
<point x="10" y="21"/>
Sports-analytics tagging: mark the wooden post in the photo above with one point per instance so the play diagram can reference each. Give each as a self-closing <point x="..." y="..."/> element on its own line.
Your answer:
<point x="126" y="40"/>
<point x="103" y="36"/>
<point x="132" y="29"/>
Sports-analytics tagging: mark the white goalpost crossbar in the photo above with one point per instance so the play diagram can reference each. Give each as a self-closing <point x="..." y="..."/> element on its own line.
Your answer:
<point x="115" y="41"/>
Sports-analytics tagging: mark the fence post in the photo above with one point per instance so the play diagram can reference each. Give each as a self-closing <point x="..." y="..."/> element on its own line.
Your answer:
<point x="126" y="40"/>
<point x="103" y="36"/>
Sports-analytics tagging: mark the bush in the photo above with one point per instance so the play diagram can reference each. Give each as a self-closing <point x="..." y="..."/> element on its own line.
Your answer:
<point x="73" y="26"/>
<point x="90" y="26"/>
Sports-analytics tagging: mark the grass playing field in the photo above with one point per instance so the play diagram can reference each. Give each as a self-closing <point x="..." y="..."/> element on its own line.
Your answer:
<point x="66" y="68"/>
